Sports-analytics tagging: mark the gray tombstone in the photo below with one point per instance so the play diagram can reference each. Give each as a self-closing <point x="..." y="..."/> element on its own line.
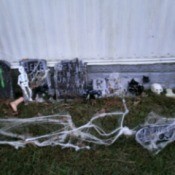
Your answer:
<point x="38" y="74"/>
<point x="70" y="77"/>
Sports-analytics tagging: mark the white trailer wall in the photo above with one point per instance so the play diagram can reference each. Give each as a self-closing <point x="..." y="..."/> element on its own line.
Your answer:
<point x="97" y="31"/>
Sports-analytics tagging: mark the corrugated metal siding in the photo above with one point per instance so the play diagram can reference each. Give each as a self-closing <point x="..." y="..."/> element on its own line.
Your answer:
<point x="97" y="31"/>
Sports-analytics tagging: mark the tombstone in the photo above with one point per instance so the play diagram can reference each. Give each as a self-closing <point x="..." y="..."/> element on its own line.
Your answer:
<point x="99" y="84"/>
<point x="70" y="78"/>
<point x="38" y="75"/>
<point x="6" y="90"/>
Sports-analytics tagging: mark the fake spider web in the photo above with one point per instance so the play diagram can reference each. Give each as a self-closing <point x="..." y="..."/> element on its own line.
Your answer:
<point x="156" y="132"/>
<point x="59" y="129"/>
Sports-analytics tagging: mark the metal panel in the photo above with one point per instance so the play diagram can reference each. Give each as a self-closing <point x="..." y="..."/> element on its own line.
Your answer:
<point x="96" y="31"/>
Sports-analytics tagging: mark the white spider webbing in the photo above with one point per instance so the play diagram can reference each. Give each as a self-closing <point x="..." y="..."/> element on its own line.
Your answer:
<point x="60" y="130"/>
<point x="156" y="133"/>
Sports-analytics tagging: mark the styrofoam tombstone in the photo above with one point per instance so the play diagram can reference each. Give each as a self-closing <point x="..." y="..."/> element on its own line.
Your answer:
<point x="156" y="88"/>
<point x="113" y="83"/>
<point x="100" y="84"/>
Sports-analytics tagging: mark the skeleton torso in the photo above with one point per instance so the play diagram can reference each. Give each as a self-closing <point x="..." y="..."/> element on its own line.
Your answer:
<point x="23" y="80"/>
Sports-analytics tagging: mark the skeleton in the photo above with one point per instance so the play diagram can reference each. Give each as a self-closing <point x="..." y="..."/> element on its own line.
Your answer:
<point x="23" y="82"/>
<point x="38" y="74"/>
<point x="156" y="88"/>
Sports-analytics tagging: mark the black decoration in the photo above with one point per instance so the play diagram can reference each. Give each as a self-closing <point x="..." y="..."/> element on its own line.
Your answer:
<point x="135" y="88"/>
<point x="6" y="90"/>
<point x="145" y="79"/>
<point x="93" y="94"/>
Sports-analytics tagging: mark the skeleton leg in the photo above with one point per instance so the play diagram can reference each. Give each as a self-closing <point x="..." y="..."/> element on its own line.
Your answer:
<point x="14" y="104"/>
<point x="27" y="92"/>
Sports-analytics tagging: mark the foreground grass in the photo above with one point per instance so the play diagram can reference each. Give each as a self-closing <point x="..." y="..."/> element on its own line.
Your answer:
<point x="125" y="156"/>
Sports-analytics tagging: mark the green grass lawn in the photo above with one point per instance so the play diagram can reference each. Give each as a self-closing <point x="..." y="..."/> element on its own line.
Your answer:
<point x="125" y="156"/>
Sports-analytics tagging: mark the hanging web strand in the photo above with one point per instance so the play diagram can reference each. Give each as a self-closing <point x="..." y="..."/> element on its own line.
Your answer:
<point x="60" y="130"/>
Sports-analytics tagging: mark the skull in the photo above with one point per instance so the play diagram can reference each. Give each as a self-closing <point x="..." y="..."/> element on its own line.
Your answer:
<point x="156" y="88"/>
<point x="21" y="69"/>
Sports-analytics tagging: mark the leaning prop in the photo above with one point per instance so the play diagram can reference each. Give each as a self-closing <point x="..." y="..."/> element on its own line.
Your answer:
<point x="6" y="85"/>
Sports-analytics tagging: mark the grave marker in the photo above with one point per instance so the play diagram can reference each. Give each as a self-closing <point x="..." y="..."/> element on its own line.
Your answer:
<point x="70" y="78"/>
<point x="38" y="74"/>
<point x="6" y="90"/>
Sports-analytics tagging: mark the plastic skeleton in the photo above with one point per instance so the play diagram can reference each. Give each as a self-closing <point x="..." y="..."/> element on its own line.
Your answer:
<point x="67" y="135"/>
<point x="23" y="82"/>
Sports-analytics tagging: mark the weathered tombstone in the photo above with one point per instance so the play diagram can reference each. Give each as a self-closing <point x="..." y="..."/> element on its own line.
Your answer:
<point x="38" y="74"/>
<point x="100" y="84"/>
<point x="6" y="90"/>
<point x="70" y="78"/>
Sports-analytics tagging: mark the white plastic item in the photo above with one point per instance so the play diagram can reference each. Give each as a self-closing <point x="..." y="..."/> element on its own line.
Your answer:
<point x="170" y="93"/>
<point x="23" y="82"/>
<point x="156" y="88"/>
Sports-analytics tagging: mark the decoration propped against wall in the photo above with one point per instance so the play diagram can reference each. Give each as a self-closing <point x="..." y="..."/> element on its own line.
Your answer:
<point x="38" y="75"/>
<point x="112" y="85"/>
<point x="70" y="78"/>
<point x="6" y="90"/>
